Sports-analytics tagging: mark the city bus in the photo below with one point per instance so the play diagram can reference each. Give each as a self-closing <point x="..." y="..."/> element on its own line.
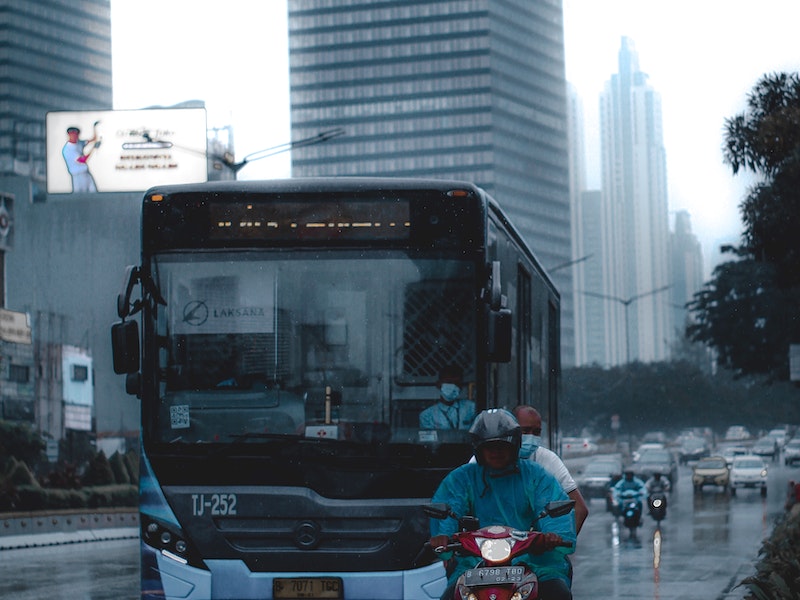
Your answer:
<point x="283" y="337"/>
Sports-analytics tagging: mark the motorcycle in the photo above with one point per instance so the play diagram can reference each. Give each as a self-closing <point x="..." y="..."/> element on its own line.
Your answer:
<point x="657" y="505"/>
<point x="495" y="578"/>
<point x="630" y="507"/>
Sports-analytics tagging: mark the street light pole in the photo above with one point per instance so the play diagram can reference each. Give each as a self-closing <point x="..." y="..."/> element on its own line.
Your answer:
<point x="626" y="302"/>
<point x="569" y="263"/>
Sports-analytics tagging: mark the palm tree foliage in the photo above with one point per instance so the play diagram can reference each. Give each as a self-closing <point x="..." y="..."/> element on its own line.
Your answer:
<point x="748" y="311"/>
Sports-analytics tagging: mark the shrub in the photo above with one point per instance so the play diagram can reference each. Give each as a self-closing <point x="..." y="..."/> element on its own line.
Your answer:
<point x="31" y="498"/>
<point x="103" y="496"/>
<point x="57" y="499"/>
<point x="778" y="570"/>
<point x="99" y="471"/>
<point x="132" y="463"/>
<point x="19" y="474"/>
<point x="119" y="468"/>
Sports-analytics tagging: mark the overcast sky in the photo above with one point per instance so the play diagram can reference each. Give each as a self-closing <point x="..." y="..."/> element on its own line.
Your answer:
<point x="702" y="56"/>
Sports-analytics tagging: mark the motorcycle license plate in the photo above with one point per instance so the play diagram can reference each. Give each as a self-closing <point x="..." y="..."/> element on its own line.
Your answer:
<point x="493" y="575"/>
<point x="307" y="587"/>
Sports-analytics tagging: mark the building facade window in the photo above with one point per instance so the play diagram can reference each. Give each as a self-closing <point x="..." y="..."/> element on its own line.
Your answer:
<point x="18" y="373"/>
<point x="80" y="373"/>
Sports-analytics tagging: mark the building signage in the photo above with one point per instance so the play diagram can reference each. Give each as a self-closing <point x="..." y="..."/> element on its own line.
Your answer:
<point x="14" y="327"/>
<point x="125" y="150"/>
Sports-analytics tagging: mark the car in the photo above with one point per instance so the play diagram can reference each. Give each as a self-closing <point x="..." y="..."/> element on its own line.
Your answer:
<point x="791" y="452"/>
<point x="577" y="446"/>
<point x="657" y="437"/>
<point x="731" y="452"/>
<point x="646" y="446"/>
<point x="766" y="446"/>
<point x="599" y="475"/>
<point x="692" y="448"/>
<point x="749" y="471"/>
<point x="780" y="436"/>
<point x="737" y="433"/>
<point x="710" y="470"/>
<point x="656" y="459"/>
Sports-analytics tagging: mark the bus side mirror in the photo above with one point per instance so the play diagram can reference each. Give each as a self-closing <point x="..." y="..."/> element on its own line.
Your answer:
<point x="497" y="319"/>
<point x="125" y="347"/>
<point x="498" y="335"/>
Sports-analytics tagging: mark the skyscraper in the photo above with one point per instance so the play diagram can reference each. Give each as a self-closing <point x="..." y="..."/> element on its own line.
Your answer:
<point x="456" y="89"/>
<point x="635" y="217"/>
<point x="686" y="255"/>
<point x="55" y="56"/>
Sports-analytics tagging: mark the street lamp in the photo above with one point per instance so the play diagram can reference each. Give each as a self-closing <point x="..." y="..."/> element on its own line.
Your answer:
<point x="228" y="160"/>
<point x="626" y="302"/>
<point x="569" y="263"/>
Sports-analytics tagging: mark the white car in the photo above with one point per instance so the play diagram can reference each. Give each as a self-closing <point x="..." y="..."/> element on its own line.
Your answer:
<point x="574" y="446"/>
<point x="748" y="472"/>
<point x="732" y="452"/>
<point x="791" y="451"/>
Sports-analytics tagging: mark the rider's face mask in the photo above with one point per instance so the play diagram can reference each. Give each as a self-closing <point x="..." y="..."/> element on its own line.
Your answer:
<point x="529" y="445"/>
<point x="450" y="392"/>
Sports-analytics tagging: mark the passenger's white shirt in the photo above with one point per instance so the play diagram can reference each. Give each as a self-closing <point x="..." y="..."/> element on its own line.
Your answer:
<point x="556" y="467"/>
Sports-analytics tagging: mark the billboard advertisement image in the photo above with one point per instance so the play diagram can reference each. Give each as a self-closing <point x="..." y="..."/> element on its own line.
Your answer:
<point x="125" y="150"/>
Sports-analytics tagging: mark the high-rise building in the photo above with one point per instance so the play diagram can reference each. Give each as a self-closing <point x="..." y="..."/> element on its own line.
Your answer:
<point x="56" y="55"/>
<point x="449" y="89"/>
<point x="686" y="255"/>
<point x="635" y="217"/>
<point x="590" y="338"/>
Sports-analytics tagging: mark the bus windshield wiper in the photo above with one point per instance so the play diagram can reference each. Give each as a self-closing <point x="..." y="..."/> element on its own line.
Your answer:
<point x="258" y="435"/>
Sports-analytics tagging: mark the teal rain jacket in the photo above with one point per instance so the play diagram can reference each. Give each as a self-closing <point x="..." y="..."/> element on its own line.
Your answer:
<point x="513" y="497"/>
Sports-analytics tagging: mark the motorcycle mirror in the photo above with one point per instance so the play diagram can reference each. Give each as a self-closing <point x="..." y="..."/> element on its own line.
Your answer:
<point x="437" y="510"/>
<point x="559" y="508"/>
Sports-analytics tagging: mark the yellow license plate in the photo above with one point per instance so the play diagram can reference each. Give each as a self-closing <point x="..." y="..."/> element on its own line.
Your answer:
<point x="307" y="587"/>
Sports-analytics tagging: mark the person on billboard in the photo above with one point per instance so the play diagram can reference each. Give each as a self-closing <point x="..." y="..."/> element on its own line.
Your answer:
<point x="76" y="157"/>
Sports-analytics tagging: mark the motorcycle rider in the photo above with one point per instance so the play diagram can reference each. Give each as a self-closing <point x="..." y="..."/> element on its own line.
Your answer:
<point x="629" y="482"/>
<point x="657" y="483"/>
<point x="502" y="489"/>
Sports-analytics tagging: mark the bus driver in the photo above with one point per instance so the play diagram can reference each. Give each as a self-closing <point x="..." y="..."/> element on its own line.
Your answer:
<point x="451" y="411"/>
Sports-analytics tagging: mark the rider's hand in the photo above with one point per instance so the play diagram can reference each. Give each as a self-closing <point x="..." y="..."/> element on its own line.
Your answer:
<point x="545" y="542"/>
<point x="439" y="541"/>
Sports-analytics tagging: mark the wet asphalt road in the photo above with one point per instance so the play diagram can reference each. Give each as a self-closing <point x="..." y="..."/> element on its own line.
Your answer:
<point x="708" y="543"/>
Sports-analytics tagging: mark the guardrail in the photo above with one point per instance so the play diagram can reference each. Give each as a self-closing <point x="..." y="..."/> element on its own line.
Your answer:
<point x="31" y="529"/>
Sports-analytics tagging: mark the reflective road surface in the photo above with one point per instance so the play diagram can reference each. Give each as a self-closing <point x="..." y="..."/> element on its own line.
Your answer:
<point x="708" y="543"/>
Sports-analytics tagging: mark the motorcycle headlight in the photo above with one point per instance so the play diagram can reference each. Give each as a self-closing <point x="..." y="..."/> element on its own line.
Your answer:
<point x="495" y="550"/>
<point x="657" y="503"/>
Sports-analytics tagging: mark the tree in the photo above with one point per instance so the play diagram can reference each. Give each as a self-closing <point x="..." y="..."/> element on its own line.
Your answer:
<point x="744" y="316"/>
<point x="749" y="310"/>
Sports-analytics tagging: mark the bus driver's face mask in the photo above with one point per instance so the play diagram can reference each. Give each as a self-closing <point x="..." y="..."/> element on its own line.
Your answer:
<point x="529" y="445"/>
<point x="450" y="392"/>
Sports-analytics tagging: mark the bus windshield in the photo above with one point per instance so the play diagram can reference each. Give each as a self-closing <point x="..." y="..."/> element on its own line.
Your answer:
<point x="331" y="346"/>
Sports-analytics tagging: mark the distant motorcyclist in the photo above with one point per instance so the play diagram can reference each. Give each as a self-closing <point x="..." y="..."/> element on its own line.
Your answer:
<point x="629" y="483"/>
<point x="500" y="488"/>
<point x="657" y="483"/>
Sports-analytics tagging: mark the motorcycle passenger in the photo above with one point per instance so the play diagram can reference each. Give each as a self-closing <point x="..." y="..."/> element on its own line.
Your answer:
<point x="629" y="482"/>
<point x="502" y="489"/>
<point x="530" y="422"/>
<point x="657" y="483"/>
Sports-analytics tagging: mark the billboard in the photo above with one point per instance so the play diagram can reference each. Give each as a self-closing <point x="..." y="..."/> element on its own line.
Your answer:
<point x="125" y="150"/>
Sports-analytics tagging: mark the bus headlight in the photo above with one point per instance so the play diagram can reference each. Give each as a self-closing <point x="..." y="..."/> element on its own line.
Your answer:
<point x="170" y="542"/>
